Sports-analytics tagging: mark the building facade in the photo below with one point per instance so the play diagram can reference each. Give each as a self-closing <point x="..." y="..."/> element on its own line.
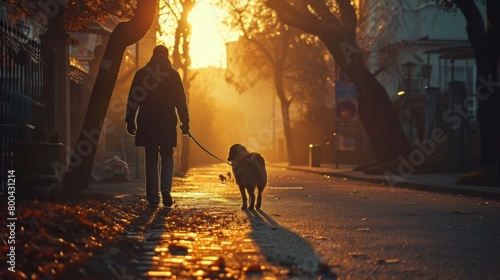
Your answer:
<point x="425" y="62"/>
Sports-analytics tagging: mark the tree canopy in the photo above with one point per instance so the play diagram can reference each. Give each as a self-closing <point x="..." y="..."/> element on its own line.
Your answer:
<point x="294" y="62"/>
<point x="77" y="14"/>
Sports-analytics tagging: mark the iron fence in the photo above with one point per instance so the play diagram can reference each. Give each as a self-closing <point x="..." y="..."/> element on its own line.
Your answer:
<point x="21" y="100"/>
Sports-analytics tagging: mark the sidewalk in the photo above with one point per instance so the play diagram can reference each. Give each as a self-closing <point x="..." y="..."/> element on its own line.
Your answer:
<point x="206" y="236"/>
<point x="438" y="182"/>
<point x="203" y="236"/>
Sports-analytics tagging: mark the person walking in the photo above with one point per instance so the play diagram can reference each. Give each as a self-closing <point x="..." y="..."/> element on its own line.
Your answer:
<point x="155" y="95"/>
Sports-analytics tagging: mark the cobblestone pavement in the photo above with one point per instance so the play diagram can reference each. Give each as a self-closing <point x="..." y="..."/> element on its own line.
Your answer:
<point x="205" y="236"/>
<point x="311" y="227"/>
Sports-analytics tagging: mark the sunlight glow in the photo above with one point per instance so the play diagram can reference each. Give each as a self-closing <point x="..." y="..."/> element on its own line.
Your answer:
<point x="207" y="44"/>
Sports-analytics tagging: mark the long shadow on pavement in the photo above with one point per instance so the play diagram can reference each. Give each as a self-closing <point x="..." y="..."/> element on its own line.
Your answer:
<point x="115" y="259"/>
<point x="285" y="248"/>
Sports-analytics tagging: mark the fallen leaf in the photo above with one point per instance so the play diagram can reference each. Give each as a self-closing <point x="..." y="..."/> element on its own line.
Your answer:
<point x="178" y="250"/>
<point x="254" y="268"/>
<point x="359" y="255"/>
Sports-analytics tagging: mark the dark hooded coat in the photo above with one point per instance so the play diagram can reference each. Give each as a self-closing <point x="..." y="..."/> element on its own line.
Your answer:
<point x="156" y="94"/>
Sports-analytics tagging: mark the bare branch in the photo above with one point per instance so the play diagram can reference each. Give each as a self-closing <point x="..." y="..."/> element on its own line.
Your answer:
<point x="348" y="14"/>
<point x="26" y="12"/>
<point x="324" y="13"/>
<point x="256" y="42"/>
<point x="291" y="16"/>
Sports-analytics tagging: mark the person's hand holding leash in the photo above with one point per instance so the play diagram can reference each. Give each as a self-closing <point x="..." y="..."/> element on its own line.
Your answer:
<point x="185" y="129"/>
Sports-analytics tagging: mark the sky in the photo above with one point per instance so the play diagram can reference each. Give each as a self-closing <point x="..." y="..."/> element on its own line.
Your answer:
<point x="207" y="42"/>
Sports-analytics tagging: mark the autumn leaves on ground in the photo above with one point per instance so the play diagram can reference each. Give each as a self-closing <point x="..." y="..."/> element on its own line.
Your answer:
<point x="52" y="238"/>
<point x="112" y="238"/>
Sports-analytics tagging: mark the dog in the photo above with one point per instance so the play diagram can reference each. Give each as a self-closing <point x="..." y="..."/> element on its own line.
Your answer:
<point x="222" y="178"/>
<point x="249" y="170"/>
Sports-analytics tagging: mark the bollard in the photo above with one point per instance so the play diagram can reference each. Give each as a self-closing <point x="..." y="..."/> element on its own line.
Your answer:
<point x="314" y="155"/>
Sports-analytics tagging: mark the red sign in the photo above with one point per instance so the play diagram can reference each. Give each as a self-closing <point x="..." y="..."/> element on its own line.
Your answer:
<point x="346" y="110"/>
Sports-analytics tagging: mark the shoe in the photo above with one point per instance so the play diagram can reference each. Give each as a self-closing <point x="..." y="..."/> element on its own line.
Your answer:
<point x="167" y="199"/>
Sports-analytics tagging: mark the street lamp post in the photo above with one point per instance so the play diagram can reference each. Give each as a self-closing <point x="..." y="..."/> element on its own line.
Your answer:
<point x="426" y="71"/>
<point x="336" y="150"/>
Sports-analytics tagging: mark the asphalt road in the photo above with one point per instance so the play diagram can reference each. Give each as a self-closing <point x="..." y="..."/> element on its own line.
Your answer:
<point x="359" y="230"/>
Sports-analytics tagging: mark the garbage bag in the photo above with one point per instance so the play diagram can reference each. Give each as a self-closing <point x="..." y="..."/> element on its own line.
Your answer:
<point x="111" y="170"/>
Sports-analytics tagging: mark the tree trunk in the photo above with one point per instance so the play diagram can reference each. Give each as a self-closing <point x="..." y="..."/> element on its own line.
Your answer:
<point x="285" y="113"/>
<point x="375" y="109"/>
<point x="125" y="34"/>
<point x="485" y="42"/>
<point x="488" y="92"/>
<point x="182" y="60"/>
<point x="287" y="128"/>
<point x="374" y="106"/>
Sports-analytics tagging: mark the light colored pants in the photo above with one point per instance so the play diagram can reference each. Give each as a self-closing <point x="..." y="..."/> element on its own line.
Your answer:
<point x="166" y="171"/>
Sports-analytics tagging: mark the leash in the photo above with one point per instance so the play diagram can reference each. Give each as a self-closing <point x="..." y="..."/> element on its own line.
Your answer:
<point x="199" y="145"/>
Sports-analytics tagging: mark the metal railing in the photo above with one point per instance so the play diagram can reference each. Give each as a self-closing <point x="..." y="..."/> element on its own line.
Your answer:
<point x="21" y="79"/>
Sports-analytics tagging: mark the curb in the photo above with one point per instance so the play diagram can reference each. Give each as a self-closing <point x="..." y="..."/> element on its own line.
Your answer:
<point x="448" y="187"/>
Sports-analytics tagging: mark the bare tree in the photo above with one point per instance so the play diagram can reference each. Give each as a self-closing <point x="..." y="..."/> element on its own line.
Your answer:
<point x="182" y="60"/>
<point x="336" y="24"/>
<point x="272" y="51"/>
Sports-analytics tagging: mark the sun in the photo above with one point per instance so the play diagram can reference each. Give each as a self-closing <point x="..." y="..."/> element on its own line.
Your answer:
<point x="207" y="46"/>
